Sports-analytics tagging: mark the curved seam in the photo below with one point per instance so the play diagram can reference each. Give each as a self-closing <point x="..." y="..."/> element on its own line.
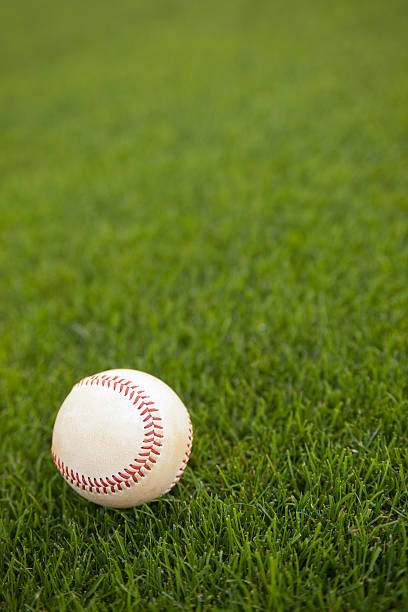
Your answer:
<point x="186" y="457"/>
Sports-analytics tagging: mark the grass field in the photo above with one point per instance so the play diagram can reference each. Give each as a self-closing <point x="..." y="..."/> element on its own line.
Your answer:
<point x="215" y="193"/>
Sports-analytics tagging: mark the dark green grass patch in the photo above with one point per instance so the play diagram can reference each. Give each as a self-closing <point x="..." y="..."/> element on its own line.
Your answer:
<point x="217" y="194"/>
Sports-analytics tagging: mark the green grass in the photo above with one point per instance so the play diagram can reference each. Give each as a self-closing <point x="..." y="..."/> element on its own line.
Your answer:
<point x="215" y="193"/>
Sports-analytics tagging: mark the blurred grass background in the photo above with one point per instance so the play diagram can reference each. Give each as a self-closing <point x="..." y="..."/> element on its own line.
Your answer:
<point x="217" y="194"/>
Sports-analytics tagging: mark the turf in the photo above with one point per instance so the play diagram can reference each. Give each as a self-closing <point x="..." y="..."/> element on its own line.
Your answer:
<point x="215" y="193"/>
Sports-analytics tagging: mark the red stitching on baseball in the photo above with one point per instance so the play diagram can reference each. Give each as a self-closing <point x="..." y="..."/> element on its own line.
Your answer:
<point x="186" y="456"/>
<point x="150" y="426"/>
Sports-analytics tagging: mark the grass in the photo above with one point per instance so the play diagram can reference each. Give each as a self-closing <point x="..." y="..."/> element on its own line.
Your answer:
<point x="217" y="194"/>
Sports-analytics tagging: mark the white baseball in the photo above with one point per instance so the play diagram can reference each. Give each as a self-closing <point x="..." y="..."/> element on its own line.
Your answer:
<point x="121" y="438"/>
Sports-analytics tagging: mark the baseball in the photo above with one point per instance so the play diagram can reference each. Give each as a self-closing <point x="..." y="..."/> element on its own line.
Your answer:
<point x="121" y="438"/>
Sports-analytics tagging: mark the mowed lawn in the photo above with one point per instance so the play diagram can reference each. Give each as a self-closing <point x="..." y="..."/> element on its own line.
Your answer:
<point x="215" y="193"/>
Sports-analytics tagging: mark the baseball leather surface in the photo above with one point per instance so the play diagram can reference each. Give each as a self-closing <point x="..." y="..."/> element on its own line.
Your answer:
<point x="121" y="438"/>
